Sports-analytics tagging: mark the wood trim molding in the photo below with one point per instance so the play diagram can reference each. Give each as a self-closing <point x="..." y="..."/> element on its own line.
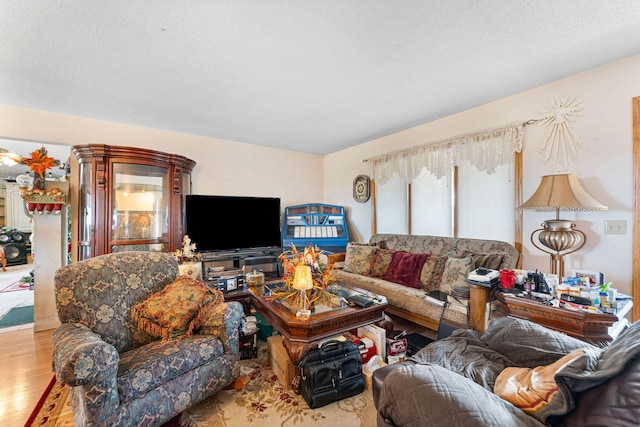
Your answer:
<point x="518" y="196"/>
<point x="374" y="213"/>
<point x="635" y="273"/>
<point x="409" y="207"/>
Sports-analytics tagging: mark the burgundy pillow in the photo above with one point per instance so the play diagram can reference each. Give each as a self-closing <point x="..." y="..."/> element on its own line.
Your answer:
<point x="405" y="269"/>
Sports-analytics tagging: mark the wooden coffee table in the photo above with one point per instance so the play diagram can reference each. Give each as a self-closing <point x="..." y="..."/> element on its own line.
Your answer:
<point x="301" y="335"/>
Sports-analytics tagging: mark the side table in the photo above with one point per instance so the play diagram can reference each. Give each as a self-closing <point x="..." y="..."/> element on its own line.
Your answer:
<point x="597" y="328"/>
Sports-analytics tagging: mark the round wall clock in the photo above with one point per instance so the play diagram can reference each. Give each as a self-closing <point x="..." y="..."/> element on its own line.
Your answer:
<point x="361" y="188"/>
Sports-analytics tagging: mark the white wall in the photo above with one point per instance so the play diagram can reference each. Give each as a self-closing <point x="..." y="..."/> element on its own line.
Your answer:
<point x="223" y="167"/>
<point x="604" y="165"/>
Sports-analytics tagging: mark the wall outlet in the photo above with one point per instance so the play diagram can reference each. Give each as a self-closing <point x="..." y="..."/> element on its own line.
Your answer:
<point x="615" y="227"/>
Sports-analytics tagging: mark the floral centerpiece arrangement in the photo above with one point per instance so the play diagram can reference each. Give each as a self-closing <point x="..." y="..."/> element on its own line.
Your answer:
<point x="321" y="274"/>
<point x="38" y="163"/>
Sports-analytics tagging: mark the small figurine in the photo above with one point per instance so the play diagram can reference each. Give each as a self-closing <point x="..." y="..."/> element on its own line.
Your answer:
<point x="188" y="248"/>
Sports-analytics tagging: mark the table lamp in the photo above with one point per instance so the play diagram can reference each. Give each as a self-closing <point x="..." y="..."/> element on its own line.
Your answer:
<point x="560" y="193"/>
<point x="302" y="281"/>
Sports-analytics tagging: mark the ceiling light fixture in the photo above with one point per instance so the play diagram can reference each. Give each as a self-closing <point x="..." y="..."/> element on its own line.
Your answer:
<point x="7" y="158"/>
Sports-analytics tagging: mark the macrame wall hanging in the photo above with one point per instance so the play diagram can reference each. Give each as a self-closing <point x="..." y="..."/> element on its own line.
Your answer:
<point x="562" y="142"/>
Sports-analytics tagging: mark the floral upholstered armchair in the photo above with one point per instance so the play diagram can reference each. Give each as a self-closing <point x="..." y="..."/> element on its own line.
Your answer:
<point x="120" y="371"/>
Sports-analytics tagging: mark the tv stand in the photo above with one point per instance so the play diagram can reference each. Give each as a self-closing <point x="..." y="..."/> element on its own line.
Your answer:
<point x="244" y="260"/>
<point x="240" y="253"/>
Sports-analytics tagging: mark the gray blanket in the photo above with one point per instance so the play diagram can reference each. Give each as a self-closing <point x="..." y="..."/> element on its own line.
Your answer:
<point x="450" y="382"/>
<point x="507" y="342"/>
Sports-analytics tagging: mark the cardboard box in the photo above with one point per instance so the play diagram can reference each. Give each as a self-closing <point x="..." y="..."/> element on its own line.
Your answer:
<point x="368" y="374"/>
<point x="280" y="361"/>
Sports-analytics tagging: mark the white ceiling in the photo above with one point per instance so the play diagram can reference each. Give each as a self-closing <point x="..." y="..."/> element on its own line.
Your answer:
<point x="314" y="76"/>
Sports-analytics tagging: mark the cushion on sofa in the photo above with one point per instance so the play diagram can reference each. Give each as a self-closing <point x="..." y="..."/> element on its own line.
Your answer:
<point x="455" y="273"/>
<point x="358" y="258"/>
<point x="169" y="314"/>
<point x="405" y="269"/>
<point x="491" y="261"/>
<point x="432" y="271"/>
<point x="210" y="319"/>
<point x="159" y="362"/>
<point x="380" y="262"/>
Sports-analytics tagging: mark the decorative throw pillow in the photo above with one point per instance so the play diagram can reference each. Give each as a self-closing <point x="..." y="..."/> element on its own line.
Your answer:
<point x="455" y="273"/>
<point x="491" y="261"/>
<point x="210" y="318"/>
<point x="169" y="313"/>
<point x="380" y="262"/>
<point x="534" y="390"/>
<point x="405" y="269"/>
<point x="358" y="258"/>
<point x="432" y="271"/>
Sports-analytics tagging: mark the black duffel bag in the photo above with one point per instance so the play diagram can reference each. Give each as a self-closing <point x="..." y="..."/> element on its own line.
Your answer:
<point x="330" y="373"/>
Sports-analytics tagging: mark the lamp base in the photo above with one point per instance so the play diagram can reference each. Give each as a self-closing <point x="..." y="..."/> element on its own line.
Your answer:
<point x="560" y="236"/>
<point x="303" y="314"/>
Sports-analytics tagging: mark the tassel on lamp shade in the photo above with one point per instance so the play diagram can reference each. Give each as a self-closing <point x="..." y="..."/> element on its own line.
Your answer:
<point x="303" y="281"/>
<point x="560" y="193"/>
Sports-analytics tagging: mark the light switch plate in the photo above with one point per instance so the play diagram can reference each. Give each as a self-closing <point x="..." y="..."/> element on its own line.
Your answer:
<point x="615" y="227"/>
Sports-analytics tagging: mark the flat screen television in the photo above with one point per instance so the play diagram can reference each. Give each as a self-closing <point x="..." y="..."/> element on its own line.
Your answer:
<point x="233" y="223"/>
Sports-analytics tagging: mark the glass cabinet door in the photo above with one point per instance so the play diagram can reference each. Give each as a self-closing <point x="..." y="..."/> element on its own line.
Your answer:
<point x="126" y="199"/>
<point x="140" y="207"/>
<point x="85" y="231"/>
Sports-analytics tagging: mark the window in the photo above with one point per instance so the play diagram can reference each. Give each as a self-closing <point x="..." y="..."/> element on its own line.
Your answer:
<point x="464" y="187"/>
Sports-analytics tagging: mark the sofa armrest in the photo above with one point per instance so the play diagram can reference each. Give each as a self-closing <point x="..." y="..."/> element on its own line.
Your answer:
<point x="81" y="357"/>
<point x="412" y="395"/>
<point x="224" y="321"/>
<point x="333" y="259"/>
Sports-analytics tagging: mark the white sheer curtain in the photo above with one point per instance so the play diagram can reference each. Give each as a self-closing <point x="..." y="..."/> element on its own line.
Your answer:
<point x="392" y="213"/>
<point x="485" y="188"/>
<point x="431" y="207"/>
<point x="486" y="203"/>
<point x="486" y="150"/>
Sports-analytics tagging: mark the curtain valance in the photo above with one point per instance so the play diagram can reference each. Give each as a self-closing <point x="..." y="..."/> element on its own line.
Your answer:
<point x="486" y="150"/>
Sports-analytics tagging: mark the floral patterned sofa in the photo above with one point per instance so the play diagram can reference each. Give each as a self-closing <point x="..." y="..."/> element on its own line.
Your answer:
<point x="403" y="268"/>
<point x="118" y="373"/>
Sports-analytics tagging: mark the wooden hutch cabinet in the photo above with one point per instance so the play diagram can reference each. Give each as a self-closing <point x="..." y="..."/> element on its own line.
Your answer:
<point x="125" y="198"/>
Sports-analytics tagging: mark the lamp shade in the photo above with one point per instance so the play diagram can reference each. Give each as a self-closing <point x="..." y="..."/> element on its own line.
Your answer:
<point x="302" y="278"/>
<point x="561" y="192"/>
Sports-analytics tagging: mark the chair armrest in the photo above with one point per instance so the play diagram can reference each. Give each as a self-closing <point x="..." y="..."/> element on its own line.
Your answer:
<point x="224" y="321"/>
<point x="81" y="357"/>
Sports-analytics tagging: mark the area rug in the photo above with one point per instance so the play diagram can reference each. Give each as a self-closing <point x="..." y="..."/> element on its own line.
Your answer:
<point x="16" y="286"/>
<point x="17" y="316"/>
<point x="263" y="401"/>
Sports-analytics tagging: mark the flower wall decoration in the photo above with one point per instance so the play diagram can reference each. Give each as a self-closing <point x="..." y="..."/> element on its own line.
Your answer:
<point x="562" y="142"/>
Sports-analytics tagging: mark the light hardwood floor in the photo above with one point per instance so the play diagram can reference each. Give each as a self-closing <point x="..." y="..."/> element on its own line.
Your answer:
<point x="25" y="371"/>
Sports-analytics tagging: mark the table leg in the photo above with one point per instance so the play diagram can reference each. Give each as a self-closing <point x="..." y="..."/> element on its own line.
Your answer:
<point x="478" y="299"/>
